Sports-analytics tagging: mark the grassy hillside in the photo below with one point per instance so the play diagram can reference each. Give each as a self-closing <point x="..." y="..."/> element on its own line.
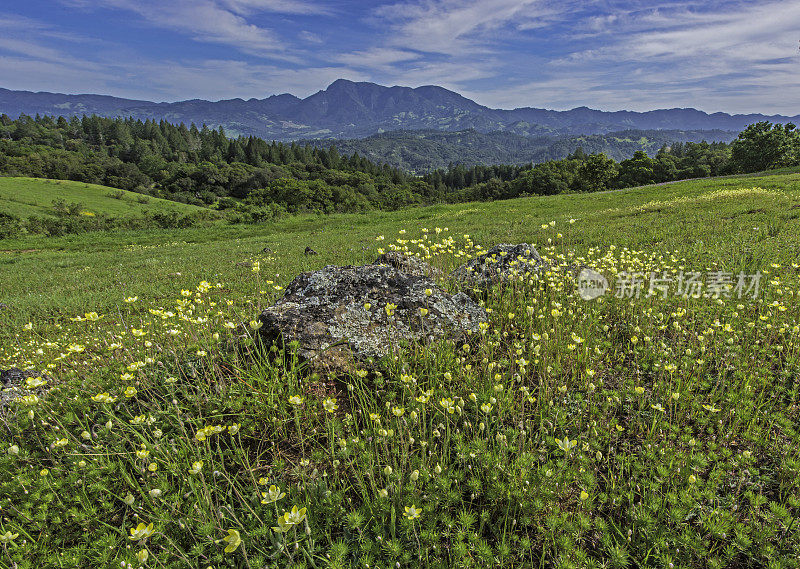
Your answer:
<point x="24" y="197"/>
<point x="95" y="270"/>
<point x="643" y="431"/>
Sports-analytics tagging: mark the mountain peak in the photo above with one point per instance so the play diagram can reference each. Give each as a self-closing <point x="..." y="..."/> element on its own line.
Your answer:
<point x="339" y="83"/>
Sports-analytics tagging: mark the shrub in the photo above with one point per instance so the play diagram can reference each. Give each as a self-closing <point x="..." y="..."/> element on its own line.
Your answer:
<point x="10" y="225"/>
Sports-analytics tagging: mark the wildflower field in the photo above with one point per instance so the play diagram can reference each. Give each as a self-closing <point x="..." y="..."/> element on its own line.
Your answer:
<point x="654" y="426"/>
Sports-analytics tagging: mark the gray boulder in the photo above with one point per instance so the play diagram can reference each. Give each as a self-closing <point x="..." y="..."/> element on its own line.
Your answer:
<point x="325" y="314"/>
<point x="499" y="264"/>
<point x="409" y="264"/>
<point x="12" y="384"/>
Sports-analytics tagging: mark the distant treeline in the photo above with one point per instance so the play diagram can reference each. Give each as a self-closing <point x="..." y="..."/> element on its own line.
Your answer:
<point x="759" y="147"/>
<point x="253" y="180"/>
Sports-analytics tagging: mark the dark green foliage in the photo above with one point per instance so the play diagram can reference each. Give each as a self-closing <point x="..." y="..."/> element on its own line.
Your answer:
<point x="581" y="172"/>
<point x="636" y="171"/>
<point x="200" y="166"/>
<point x="764" y="145"/>
<point x="597" y="172"/>
<point x="553" y="177"/>
<point x="10" y="225"/>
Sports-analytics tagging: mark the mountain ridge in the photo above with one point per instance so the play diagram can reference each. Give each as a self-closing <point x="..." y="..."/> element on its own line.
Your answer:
<point x="347" y="109"/>
<point x="421" y="151"/>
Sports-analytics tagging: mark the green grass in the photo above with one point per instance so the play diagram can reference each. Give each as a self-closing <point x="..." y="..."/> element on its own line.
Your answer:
<point x="25" y="197"/>
<point x="93" y="271"/>
<point x="632" y="432"/>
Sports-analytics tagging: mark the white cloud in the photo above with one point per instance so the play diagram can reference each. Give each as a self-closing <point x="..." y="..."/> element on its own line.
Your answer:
<point x="20" y="26"/>
<point x="451" y="43"/>
<point x="455" y="27"/>
<point x="246" y="7"/>
<point x="379" y="57"/>
<point x="233" y="78"/>
<point x="35" y="50"/>
<point x="216" y="21"/>
<point x="310" y="37"/>
<point x="449" y="74"/>
<point x="716" y="60"/>
<point x="25" y="39"/>
<point x="164" y="80"/>
<point x="206" y="21"/>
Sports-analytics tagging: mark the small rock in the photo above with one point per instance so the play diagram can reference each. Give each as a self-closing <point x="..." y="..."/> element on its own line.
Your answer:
<point x="498" y="265"/>
<point x="310" y="251"/>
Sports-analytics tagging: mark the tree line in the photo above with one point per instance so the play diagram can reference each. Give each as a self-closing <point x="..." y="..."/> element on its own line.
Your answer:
<point x="253" y="180"/>
<point x="761" y="146"/>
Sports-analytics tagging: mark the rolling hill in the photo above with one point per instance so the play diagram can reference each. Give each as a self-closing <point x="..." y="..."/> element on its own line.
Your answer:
<point x="24" y="197"/>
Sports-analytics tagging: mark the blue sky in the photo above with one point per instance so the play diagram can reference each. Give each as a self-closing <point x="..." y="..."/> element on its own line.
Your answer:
<point x="716" y="56"/>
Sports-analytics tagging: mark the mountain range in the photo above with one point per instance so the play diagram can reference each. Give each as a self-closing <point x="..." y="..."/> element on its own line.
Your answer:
<point x="347" y="109"/>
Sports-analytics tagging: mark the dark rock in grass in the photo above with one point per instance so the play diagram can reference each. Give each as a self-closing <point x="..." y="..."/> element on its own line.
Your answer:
<point x="310" y="251"/>
<point x="12" y="382"/>
<point x="499" y="264"/>
<point x="409" y="264"/>
<point x="338" y="315"/>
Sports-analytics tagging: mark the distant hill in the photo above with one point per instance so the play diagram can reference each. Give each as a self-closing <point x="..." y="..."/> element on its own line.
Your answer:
<point x="425" y="150"/>
<point x="352" y="110"/>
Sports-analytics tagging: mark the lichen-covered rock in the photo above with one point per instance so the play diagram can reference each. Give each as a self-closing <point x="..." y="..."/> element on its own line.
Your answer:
<point x="13" y="384"/>
<point x="338" y="315"/>
<point x="408" y="264"/>
<point x="499" y="264"/>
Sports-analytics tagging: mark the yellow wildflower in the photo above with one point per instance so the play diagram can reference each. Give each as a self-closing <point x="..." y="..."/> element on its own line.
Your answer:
<point x="141" y="532"/>
<point x="103" y="398"/>
<point x="233" y="539"/>
<point x="566" y="445"/>
<point x="412" y="512"/>
<point x="272" y="495"/>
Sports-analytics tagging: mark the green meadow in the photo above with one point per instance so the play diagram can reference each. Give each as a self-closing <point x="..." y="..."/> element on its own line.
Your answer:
<point x="642" y="430"/>
<point x="24" y="197"/>
<point x="46" y="277"/>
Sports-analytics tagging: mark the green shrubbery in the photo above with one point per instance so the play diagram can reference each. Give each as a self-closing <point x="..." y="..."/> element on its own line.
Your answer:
<point x="81" y="221"/>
